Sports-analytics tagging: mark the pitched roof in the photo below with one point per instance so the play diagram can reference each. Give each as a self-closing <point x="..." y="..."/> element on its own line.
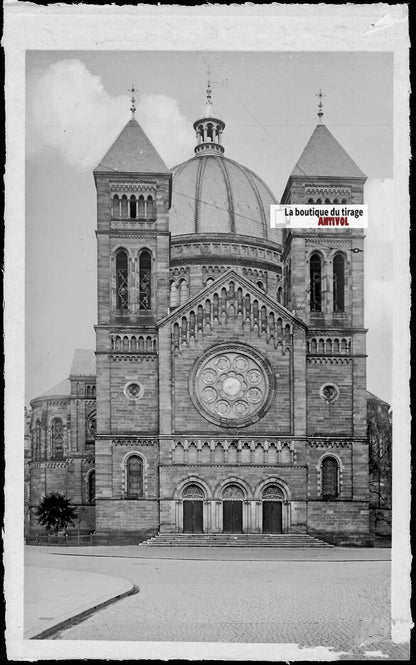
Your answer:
<point x="371" y="396"/>
<point x="61" y="388"/>
<point x="324" y="157"/>
<point x="83" y="363"/>
<point x="132" y="152"/>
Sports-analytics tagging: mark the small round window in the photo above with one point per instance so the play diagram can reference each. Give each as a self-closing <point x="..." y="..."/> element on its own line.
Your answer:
<point x="133" y="390"/>
<point x="329" y="392"/>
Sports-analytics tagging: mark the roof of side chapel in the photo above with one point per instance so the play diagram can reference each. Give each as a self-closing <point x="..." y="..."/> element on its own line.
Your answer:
<point x="132" y="152"/>
<point x="83" y="363"/>
<point x="63" y="388"/>
<point x="324" y="157"/>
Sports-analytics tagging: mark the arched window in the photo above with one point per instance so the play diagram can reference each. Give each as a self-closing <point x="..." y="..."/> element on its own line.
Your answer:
<point x="150" y="208"/>
<point x="183" y="292"/>
<point x="310" y="200"/>
<point x="116" y="206"/>
<point x="122" y="280"/>
<point x="336" y="201"/>
<point x="319" y="201"/>
<point x="142" y="211"/>
<point x="209" y="281"/>
<point x="287" y="282"/>
<point x="124" y="206"/>
<point x="344" y="201"/>
<point x="173" y="294"/>
<point x="339" y="283"/>
<point x="327" y="201"/>
<point x="37" y="441"/>
<point x="57" y="439"/>
<point x="316" y="282"/>
<point x="329" y="472"/>
<point x="91" y="487"/>
<point x="133" y="207"/>
<point x="134" y="476"/>
<point x="145" y="277"/>
<point x="91" y="427"/>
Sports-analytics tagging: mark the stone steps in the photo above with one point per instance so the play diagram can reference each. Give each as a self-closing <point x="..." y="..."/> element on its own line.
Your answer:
<point x="233" y="540"/>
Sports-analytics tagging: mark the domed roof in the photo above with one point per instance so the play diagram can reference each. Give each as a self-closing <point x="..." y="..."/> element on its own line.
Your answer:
<point x="214" y="194"/>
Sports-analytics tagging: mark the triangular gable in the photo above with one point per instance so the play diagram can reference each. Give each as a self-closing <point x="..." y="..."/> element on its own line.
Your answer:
<point x="239" y="282"/>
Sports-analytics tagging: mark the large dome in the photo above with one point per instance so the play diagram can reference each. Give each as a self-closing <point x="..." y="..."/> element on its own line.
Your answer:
<point x="214" y="194"/>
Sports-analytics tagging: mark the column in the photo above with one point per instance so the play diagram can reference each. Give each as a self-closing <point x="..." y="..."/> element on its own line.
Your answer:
<point x="246" y="515"/>
<point x="259" y="516"/>
<point x="219" y="524"/>
<point x="205" y="516"/>
<point x="178" y="516"/>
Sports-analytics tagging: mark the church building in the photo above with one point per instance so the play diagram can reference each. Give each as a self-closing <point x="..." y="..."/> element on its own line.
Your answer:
<point x="227" y="391"/>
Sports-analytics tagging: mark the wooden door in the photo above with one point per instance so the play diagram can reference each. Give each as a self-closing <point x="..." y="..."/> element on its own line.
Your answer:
<point x="272" y="517"/>
<point x="232" y="516"/>
<point x="193" y="516"/>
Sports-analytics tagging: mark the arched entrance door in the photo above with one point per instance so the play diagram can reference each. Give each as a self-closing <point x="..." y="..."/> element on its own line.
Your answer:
<point x="193" y="520"/>
<point x="232" y="516"/>
<point x="272" y="509"/>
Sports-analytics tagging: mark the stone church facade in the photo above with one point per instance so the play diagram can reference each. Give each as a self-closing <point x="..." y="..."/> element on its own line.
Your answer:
<point x="227" y="392"/>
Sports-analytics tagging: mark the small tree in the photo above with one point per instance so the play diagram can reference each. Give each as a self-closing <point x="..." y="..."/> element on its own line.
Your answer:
<point x="55" y="512"/>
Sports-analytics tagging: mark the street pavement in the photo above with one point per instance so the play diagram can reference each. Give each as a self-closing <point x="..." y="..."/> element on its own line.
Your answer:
<point x="337" y="598"/>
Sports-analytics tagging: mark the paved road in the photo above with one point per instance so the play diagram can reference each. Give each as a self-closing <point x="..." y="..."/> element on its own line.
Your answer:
<point x="343" y="605"/>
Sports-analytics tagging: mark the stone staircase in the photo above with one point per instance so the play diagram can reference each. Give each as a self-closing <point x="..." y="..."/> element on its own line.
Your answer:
<point x="298" y="540"/>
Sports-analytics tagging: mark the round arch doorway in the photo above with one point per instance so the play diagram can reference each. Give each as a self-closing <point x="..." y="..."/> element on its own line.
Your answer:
<point x="193" y="509"/>
<point x="272" y="501"/>
<point x="232" y="509"/>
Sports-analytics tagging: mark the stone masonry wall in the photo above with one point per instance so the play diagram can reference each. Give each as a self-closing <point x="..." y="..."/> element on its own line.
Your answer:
<point x="186" y="417"/>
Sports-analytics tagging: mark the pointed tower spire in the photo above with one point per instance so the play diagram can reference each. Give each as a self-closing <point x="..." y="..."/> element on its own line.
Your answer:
<point x="320" y="105"/>
<point x="209" y="128"/>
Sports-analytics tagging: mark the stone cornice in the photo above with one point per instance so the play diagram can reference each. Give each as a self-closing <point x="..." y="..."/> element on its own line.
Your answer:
<point x="134" y="442"/>
<point x="334" y="443"/>
<point x="235" y="464"/>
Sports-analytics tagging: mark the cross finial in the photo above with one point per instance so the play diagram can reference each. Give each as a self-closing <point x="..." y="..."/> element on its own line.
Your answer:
<point x="320" y="105"/>
<point x="209" y="90"/>
<point x="133" y="99"/>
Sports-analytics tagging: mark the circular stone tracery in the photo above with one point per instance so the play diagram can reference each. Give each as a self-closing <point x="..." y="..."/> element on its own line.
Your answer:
<point x="231" y="387"/>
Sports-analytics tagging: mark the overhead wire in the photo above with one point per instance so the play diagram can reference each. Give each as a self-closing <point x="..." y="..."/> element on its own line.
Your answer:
<point x="264" y="127"/>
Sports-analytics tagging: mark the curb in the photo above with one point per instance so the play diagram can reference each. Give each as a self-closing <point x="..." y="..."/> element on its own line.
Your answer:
<point x="76" y="618"/>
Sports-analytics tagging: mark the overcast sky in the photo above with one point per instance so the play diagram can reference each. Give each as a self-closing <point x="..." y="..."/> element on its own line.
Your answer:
<point x="77" y="103"/>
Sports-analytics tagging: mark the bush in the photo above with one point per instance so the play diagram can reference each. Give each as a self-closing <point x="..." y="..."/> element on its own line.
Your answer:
<point x="55" y="512"/>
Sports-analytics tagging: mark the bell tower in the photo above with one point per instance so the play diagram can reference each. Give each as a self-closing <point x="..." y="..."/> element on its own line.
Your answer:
<point x="324" y="285"/>
<point x="323" y="269"/>
<point x="133" y="243"/>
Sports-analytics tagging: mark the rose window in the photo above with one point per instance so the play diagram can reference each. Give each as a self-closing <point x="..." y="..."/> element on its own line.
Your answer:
<point x="133" y="390"/>
<point x="329" y="392"/>
<point x="231" y="387"/>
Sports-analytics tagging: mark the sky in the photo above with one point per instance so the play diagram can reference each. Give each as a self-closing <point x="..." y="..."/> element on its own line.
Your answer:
<point x="77" y="103"/>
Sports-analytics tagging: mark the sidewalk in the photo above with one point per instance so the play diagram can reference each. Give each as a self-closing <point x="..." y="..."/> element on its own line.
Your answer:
<point x="54" y="596"/>
<point x="218" y="553"/>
